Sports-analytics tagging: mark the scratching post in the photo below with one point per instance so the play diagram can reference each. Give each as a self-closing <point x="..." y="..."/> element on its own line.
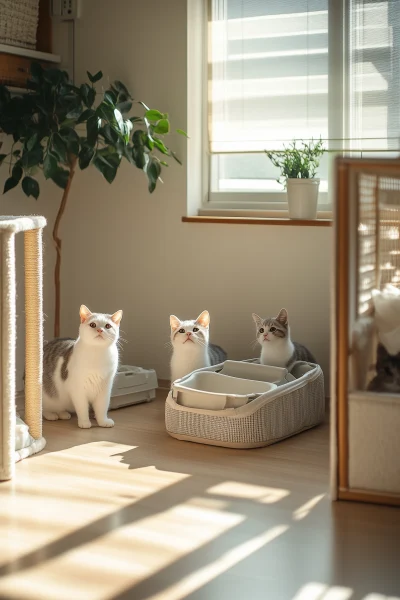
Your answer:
<point x="32" y="228"/>
<point x="33" y="332"/>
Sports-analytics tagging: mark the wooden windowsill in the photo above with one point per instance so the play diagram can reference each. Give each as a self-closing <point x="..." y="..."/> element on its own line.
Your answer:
<point x="258" y="221"/>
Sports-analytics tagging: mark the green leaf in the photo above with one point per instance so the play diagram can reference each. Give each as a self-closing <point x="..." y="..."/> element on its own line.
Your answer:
<point x="124" y="107"/>
<point x="161" y="146"/>
<point x="134" y="120"/>
<point x="94" y="78"/>
<point x="53" y="76"/>
<point x="162" y="126"/>
<point x="153" y="172"/>
<point x="89" y="112"/>
<point x="110" y="97"/>
<point x="120" y="120"/>
<point x="59" y="147"/>
<point x="139" y="157"/>
<point x="119" y="86"/>
<point x="92" y="129"/>
<point x="107" y="170"/>
<point x="30" y="187"/>
<point x="175" y="157"/>
<point x="49" y="166"/>
<point x="32" y="141"/>
<point x="2" y="157"/>
<point x="33" y="157"/>
<point x="71" y="139"/>
<point x="110" y="136"/>
<point x="85" y="157"/>
<point x="10" y="184"/>
<point x="181" y="132"/>
<point x="60" y="177"/>
<point x="153" y="115"/>
<point x="17" y="171"/>
<point x="88" y="94"/>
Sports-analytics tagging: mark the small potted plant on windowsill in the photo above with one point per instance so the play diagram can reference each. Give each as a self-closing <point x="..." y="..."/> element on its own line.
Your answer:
<point x="298" y="167"/>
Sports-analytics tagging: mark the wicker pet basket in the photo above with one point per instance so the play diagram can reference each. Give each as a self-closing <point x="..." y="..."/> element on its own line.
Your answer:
<point x="18" y="23"/>
<point x="278" y="414"/>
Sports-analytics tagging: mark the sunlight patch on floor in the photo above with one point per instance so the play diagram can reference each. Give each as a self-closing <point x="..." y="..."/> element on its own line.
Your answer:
<point x="321" y="591"/>
<point x="234" y="489"/>
<point x="306" y="508"/>
<point x="133" y="552"/>
<point x="65" y="491"/>
<point x="201" y="577"/>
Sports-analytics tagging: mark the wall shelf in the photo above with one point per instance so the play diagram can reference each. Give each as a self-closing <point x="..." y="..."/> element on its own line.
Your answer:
<point x="26" y="53"/>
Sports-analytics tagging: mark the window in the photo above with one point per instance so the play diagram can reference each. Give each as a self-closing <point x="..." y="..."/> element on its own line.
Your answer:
<point x="297" y="69"/>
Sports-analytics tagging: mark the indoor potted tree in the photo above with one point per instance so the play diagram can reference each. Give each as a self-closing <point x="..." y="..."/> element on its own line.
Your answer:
<point x="58" y="127"/>
<point x="298" y="168"/>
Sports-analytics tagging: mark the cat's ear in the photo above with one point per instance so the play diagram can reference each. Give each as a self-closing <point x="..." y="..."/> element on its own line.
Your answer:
<point x="283" y="317"/>
<point x="174" y="322"/>
<point x="257" y="320"/>
<point x="84" y="313"/>
<point x="116" y="317"/>
<point x="204" y="319"/>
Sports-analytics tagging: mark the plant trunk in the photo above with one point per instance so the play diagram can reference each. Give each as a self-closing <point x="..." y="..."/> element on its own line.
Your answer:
<point x="57" y="243"/>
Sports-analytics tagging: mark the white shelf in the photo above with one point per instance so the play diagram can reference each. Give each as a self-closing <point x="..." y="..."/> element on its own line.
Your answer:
<point x="54" y="58"/>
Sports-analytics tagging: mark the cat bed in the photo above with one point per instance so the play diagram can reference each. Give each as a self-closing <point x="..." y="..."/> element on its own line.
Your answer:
<point x="292" y="403"/>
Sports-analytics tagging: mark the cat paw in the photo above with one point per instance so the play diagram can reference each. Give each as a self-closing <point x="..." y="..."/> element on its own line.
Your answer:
<point x="50" y="416"/>
<point x="106" y="423"/>
<point x="64" y="415"/>
<point x="84" y="424"/>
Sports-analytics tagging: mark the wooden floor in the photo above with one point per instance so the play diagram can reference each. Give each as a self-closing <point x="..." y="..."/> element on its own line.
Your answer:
<point x="130" y="513"/>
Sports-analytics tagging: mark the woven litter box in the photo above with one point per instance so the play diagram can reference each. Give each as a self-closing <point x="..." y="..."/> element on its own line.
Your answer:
<point x="18" y="23"/>
<point x="295" y="402"/>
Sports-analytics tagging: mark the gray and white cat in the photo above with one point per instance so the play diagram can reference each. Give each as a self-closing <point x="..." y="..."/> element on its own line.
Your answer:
<point x="387" y="378"/>
<point x="277" y="349"/>
<point x="191" y="347"/>
<point x="79" y="373"/>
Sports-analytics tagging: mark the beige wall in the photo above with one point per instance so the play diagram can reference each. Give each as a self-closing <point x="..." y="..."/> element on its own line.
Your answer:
<point x="126" y="249"/>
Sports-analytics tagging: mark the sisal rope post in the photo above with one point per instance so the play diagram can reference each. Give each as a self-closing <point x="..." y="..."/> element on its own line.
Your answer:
<point x="34" y="331"/>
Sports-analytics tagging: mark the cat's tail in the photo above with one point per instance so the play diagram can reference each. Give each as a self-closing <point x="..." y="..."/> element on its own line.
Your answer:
<point x="217" y="354"/>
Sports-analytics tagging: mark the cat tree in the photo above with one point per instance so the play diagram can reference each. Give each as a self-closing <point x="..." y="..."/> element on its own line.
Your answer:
<point x="32" y="228"/>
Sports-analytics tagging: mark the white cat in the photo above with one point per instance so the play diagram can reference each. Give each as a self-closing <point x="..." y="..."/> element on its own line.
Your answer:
<point x="79" y="373"/>
<point x="191" y="347"/>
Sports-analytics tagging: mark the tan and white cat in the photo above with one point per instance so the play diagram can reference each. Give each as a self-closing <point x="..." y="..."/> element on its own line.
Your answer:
<point x="191" y="347"/>
<point x="78" y="374"/>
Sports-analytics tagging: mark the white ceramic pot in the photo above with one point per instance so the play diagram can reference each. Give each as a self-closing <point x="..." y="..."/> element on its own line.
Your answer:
<point x="302" y="198"/>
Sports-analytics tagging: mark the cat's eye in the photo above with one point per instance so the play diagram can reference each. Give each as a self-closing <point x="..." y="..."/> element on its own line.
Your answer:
<point x="262" y="330"/>
<point x="195" y="329"/>
<point x="108" y="326"/>
<point x="93" y="325"/>
<point x="181" y="331"/>
<point x="272" y="329"/>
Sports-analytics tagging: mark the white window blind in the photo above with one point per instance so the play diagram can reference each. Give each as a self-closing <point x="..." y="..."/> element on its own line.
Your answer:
<point x="291" y="69"/>
<point x="374" y="75"/>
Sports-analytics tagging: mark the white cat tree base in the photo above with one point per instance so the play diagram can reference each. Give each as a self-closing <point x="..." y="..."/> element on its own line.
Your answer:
<point x="32" y="228"/>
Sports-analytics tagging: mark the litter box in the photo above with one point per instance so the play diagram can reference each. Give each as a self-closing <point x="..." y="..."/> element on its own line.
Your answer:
<point x="133" y="385"/>
<point x="243" y="415"/>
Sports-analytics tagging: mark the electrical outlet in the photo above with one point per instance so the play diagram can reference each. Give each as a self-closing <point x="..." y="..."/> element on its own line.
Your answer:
<point x="65" y="10"/>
